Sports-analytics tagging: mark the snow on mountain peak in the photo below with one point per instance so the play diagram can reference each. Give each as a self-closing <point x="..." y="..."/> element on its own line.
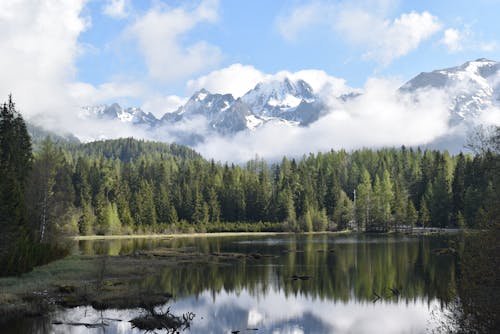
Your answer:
<point x="274" y="96"/>
<point x="200" y="95"/>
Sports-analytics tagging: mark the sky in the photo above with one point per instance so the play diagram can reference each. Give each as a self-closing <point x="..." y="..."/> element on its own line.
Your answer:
<point x="59" y="55"/>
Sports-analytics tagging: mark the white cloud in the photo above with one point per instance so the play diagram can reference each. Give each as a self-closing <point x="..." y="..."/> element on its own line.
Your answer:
<point x="462" y="39"/>
<point x="118" y="9"/>
<point x="387" y="40"/>
<point x="235" y="79"/>
<point x="452" y="39"/>
<point x="364" y="23"/>
<point x="158" y="35"/>
<point x="39" y="49"/>
<point x="86" y="94"/>
<point x="160" y="105"/>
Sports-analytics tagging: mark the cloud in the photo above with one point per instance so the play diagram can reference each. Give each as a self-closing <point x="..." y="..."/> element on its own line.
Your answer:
<point x="117" y="9"/>
<point x="387" y="40"/>
<point x="158" y="34"/>
<point x="85" y="94"/>
<point x="378" y="118"/>
<point x="236" y="79"/>
<point x="456" y="40"/>
<point x="452" y="39"/>
<point x="302" y="17"/>
<point x="160" y="105"/>
<point x="363" y="24"/>
<point x="39" y="47"/>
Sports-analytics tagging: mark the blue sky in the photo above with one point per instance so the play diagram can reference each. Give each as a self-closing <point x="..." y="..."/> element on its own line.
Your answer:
<point x="248" y="32"/>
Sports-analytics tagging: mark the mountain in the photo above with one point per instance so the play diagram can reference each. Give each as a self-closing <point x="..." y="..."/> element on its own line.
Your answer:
<point x="286" y="101"/>
<point x="472" y="87"/>
<point x="116" y="112"/>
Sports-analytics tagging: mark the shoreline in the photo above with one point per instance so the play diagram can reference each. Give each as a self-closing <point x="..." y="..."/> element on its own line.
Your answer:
<point x="196" y="235"/>
<point x="415" y="231"/>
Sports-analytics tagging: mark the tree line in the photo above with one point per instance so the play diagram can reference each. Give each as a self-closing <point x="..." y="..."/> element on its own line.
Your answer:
<point x="129" y="186"/>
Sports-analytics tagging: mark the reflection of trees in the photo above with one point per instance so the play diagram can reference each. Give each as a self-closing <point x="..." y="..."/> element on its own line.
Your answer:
<point x="477" y="307"/>
<point x="358" y="267"/>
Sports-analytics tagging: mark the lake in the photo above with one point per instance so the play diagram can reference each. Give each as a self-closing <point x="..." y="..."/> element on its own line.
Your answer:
<point x="318" y="283"/>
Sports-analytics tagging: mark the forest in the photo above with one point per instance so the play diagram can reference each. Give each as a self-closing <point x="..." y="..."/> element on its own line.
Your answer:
<point x="128" y="186"/>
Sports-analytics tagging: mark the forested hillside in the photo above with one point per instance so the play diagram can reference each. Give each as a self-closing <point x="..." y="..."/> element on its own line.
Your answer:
<point x="127" y="186"/>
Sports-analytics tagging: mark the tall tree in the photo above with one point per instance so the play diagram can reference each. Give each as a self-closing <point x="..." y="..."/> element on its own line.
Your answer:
<point x="364" y="198"/>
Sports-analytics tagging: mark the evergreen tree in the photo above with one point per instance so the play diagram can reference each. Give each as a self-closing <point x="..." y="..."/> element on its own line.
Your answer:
<point x="363" y="205"/>
<point x="411" y="214"/>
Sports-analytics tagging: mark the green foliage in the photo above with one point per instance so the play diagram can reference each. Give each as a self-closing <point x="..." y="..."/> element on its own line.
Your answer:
<point x="157" y="188"/>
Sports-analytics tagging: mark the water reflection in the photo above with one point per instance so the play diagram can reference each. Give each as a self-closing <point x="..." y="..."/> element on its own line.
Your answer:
<point x="346" y="275"/>
<point x="338" y="268"/>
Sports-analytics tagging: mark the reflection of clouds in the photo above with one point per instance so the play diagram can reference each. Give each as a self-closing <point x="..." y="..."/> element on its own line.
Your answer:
<point x="277" y="313"/>
<point x="272" y="313"/>
<point x="254" y="317"/>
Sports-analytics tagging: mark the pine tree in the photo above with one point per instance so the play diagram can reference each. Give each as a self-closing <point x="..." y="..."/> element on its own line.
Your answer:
<point x="411" y="214"/>
<point x="16" y="236"/>
<point x="364" y="199"/>
<point x="458" y="185"/>
<point x="424" y="215"/>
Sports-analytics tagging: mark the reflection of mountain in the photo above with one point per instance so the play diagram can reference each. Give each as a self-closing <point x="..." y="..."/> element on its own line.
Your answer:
<point x="356" y="268"/>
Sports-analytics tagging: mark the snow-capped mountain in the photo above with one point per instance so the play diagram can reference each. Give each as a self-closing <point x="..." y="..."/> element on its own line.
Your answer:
<point x="472" y="87"/>
<point x="277" y="97"/>
<point x="284" y="101"/>
<point x="116" y="112"/>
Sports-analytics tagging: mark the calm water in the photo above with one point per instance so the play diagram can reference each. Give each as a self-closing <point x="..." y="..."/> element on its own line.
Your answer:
<point x="346" y="273"/>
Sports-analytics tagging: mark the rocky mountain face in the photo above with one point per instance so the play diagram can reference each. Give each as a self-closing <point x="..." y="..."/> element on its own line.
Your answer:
<point x="472" y="88"/>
